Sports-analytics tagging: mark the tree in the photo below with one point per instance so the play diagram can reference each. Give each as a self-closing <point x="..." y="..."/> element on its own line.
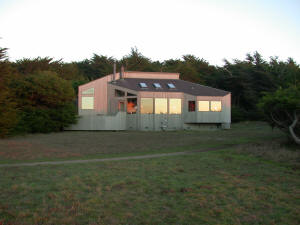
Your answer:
<point x="282" y="110"/>
<point x="45" y="102"/>
<point x="135" y="61"/>
<point x="98" y="66"/>
<point x="8" y="111"/>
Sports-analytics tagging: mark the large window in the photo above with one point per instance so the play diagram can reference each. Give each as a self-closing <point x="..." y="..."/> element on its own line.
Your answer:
<point x="161" y="106"/>
<point x="203" y="106"/>
<point x="216" y="106"/>
<point x="131" y="105"/>
<point x="87" y="102"/>
<point x="192" y="106"/>
<point x="174" y="106"/>
<point x="146" y="105"/>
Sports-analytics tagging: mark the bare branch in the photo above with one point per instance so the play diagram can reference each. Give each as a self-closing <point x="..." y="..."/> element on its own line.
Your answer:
<point x="291" y="128"/>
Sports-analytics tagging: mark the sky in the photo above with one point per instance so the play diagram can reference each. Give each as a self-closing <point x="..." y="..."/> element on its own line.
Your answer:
<point x="74" y="30"/>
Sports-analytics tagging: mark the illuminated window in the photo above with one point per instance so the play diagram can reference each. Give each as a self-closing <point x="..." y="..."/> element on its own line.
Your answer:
<point x="143" y="85"/>
<point x="131" y="105"/>
<point x="146" y="105"/>
<point x="216" y="106"/>
<point x="88" y="91"/>
<point x="87" y="102"/>
<point x="192" y="106"/>
<point x="175" y="106"/>
<point x="170" y="85"/>
<point x="161" y="106"/>
<point x="203" y="106"/>
<point x="157" y="85"/>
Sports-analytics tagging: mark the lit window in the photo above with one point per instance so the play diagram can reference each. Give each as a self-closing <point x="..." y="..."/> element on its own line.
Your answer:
<point x="216" y="106"/>
<point x="170" y="85"/>
<point x="131" y="105"/>
<point x="203" y="106"/>
<point x="175" y="106"/>
<point x="146" y="105"/>
<point x="192" y="106"/>
<point x="143" y="85"/>
<point x="161" y="106"/>
<point x="87" y="103"/>
<point x="157" y="85"/>
<point x="88" y="91"/>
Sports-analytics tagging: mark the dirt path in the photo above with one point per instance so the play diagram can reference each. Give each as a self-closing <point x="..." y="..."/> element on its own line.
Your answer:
<point x="109" y="159"/>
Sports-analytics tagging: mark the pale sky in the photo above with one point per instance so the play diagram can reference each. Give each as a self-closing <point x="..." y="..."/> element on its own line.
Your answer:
<point x="161" y="29"/>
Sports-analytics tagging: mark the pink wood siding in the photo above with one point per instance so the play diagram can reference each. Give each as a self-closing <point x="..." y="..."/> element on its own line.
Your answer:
<point x="160" y="94"/>
<point x="100" y="86"/>
<point x="100" y="94"/>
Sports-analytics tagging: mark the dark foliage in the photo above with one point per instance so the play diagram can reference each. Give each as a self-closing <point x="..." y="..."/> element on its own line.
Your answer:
<point x="37" y="88"/>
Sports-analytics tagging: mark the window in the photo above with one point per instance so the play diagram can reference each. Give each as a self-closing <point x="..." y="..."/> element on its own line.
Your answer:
<point x="143" y="85"/>
<point x="192" y="106"/>
<point x="170" y="85"/>
<point x="131" y="105"/>
<point x="89" y="91"/>
<point x="146" y="105"/>
<point x="216" y="106"/>
<point x="161" y="106"/>
<point x="157" y="85"/>
<point x="203" y="106"/>
<point x="87" y="102"/>
<point x="175" y="106"/>
<point x="119" y="93"/>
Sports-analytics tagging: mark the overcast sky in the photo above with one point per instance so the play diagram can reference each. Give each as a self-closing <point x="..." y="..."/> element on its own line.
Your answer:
<point x="161" y="29"/>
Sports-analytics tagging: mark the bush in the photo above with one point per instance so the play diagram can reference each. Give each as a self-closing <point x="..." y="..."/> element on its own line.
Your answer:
<point x="282" y="110"/>
<point x="45" y="103"/>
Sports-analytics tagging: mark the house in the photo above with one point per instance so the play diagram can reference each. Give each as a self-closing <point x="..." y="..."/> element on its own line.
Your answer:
<point x="150" y="101"/>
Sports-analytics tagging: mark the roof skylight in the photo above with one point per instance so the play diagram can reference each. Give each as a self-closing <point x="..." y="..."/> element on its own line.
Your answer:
<point x="143" y="85"/>
<point x="170" y="85"/>
<point x="157" y="85"/>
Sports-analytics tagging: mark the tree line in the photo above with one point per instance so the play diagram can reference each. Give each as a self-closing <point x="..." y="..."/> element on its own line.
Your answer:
<point x="38" y="95"/>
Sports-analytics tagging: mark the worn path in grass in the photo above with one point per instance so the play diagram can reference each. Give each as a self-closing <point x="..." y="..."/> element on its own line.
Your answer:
<point x="113" y="159"/>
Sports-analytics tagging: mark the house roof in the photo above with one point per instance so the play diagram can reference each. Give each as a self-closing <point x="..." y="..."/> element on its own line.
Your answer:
<point x="180" y="86"/>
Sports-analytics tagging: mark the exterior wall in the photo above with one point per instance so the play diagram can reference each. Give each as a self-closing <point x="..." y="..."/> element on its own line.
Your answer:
<point x="114" y="101"/>
<point x="209" y="117"/>
<point x="105" y="115"/>
<point x="101" y="122"/>
<point x="100" y="96"/>
<point x="160" y="121"/>
<point x="189" y="117"/>
<point x="215" y="117"/>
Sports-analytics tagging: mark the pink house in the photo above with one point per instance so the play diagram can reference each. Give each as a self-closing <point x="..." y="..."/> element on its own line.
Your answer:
<point x="150" y="101"/>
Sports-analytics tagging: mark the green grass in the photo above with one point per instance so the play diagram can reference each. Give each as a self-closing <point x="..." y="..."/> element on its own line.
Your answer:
<point x="205" y="188"/>
<point x="254" y="180"/>
<point x="87" y="145"/>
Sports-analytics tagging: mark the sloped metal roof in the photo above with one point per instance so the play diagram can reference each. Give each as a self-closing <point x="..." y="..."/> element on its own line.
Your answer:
<point x="180" y="86"/>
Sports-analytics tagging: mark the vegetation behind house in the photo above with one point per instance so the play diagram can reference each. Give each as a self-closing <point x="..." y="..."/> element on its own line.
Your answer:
<point x="248" y="80"/>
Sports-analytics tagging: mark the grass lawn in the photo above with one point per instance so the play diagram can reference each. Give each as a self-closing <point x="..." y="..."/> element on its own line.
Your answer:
<point x="85" y="145"/>
<point x="256" y="182"/>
